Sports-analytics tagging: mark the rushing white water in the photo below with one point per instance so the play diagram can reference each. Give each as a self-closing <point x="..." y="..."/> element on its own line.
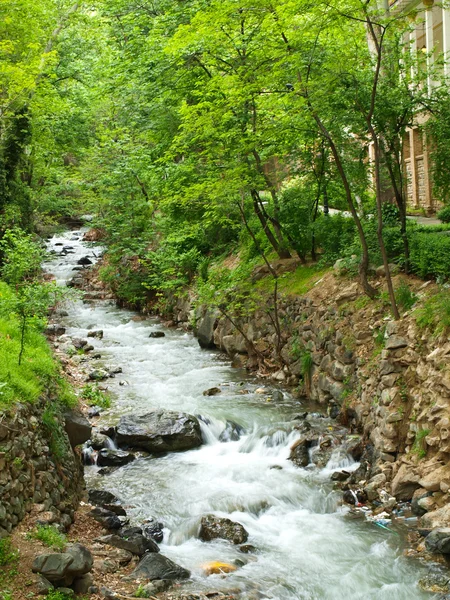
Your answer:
<point x="307" y="548"/>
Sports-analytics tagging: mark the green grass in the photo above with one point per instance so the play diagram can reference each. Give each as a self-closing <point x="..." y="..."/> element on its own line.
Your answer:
<point x="49" y="536"/>
<point x="8" y="565"/>
<point x="435" y="313"/>
<point x="38" y="371"/>
<point x="297" y="283"/>
<point x="404" y="297"/>
<point x="8" y="555"/>
<point x="95" y="397"/>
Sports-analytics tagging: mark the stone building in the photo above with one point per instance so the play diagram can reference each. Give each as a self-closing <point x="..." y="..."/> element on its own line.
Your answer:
<point x="431" y="36"/>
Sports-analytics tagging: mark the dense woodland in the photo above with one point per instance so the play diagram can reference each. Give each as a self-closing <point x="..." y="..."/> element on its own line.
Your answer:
<point x="195" y="130"/>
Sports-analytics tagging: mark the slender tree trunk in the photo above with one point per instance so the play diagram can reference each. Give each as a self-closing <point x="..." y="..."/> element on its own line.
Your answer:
<point x="276" y="208"/>
<point x="22" y="338"/>
<point x="401" y="204"/>
<point x="364" y="264"/>
<point x="380" y="225"/>
<point x="265" y="225"/>
<point x="275" y="317"/>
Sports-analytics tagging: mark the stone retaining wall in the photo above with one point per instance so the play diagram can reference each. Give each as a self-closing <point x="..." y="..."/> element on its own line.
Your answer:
<point x="387" y="379"/>
<point x="37" y="468"/>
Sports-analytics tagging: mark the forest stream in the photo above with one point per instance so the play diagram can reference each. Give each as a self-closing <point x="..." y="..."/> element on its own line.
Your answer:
<point x="306" y="545"/>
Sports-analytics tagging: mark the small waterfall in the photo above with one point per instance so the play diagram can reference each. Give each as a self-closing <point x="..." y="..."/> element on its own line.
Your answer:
<point x="109" y="443"/>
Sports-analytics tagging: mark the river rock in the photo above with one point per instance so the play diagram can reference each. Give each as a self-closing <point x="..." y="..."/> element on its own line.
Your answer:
<point x="101" y="497"/>
<point x="299" y="454"/>
<point x="212" y="527"/>
<point x="439" y="518"/>
<point x="232" y="432"/>
<point x="159" y="431"/>
<point x="77" y="427"/>
<point x="205" y="330"/>
<point x="212" y="391"/>
<point x="63" y="567"/>
<point x="82" y="584"/>
<point x="114" y="458"/>
<point x="106" y="518"/>
<point x="84" y="260"/>
<point x="405" y="483"/>
<point x="438" y="540"/>
<point x="55" y="329"/>
<point x="136" y="543"/>
<point x="156" y="566"/>
<point x="153" y="529"/>
<point x="96" y="333"/>
<point x="98" y="375"/>
<point x="157" y="334"/>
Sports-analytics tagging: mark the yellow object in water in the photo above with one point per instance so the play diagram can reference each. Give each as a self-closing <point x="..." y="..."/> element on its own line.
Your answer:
<point x="217" y="568"/>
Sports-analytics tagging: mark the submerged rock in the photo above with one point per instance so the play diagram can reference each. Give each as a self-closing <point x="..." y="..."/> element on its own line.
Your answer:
<point x="157" y="334"/>
<point x="156" y="566"/>
<point x="212" y="391"/>
<point x="232" y="432"/>
<point x="212" y="527"/>
<point x="159" y="431"/>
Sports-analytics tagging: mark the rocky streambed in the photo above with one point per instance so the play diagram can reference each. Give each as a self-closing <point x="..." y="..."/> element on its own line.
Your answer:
<point x="215" y="478"/>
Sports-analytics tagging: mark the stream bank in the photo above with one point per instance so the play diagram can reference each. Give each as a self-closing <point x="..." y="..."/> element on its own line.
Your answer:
<point x="292" y="513"/>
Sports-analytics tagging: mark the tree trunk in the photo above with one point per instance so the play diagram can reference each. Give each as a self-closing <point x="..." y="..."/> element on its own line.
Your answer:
<point x="265" y="226"/>
<point x="364" y="264"/>
<point x="380" y="225"/>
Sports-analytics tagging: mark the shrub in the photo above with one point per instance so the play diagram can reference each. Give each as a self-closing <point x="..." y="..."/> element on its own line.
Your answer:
<point x="335" y="235"/>
<point x="430" y="254"/>
<point x="49" y="536"/>
<point x="444" y="214"/>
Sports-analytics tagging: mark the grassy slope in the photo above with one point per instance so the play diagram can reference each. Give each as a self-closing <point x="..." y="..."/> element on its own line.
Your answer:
<point x="38" y="371"/>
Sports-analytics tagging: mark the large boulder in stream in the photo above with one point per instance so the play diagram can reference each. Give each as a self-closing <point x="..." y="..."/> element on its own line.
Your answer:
<point x="156" y="566"/>
<point x="159" y="431"/>
<point x="77" y="427"/>
<point x="212" y="527"/>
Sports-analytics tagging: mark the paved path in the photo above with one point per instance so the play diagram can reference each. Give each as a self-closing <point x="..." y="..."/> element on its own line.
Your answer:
<point x="426" y="220"/>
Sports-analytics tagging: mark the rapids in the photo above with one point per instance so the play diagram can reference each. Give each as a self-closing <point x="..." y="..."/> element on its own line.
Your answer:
<point x="307" y="546"/>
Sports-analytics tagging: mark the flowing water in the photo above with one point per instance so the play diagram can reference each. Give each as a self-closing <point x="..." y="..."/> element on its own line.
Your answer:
<point x="307" y="546"/>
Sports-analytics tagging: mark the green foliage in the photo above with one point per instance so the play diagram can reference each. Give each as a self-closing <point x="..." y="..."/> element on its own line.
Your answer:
<point x="390" y="213"/>
<point x="21" y="257"/>
<point x="140" y="592"/>
<point x="49" y="536"/>
<point x="335" y="235"/>
<point x="53" y="425"/>
<point x="405" y="297"/>
<point x="8" y="555"/>
<point x="429" y="255"/>
<point x="435" y="312"/>
<point x="58" y="595"/>
<point x="94" y="396"/>
<point x="419" y="447"/>
<point x="38" y="371"/>
<point x="444" y="214"/>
